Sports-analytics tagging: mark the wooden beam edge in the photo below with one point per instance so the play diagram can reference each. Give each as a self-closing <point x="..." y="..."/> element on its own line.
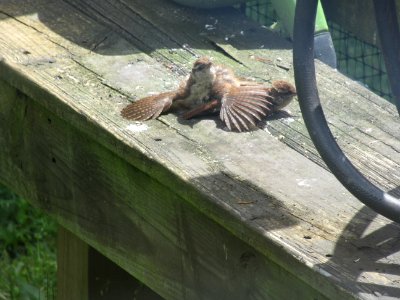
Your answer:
<point x="220" y="213"/>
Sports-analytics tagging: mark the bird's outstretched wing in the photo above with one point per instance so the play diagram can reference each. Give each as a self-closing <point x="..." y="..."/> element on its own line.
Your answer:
<point x="149" y="107"/>
<point x="244" y="105"/>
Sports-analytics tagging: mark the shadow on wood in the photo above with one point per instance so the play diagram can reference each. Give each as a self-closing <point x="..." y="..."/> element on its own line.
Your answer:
<point x="194" y="212"/>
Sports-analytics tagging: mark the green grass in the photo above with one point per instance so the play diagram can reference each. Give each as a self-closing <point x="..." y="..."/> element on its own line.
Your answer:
<point x="27" y="250"/>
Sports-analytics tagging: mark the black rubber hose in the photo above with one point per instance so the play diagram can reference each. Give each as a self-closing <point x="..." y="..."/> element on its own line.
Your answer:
<point x="389" y="36"/>
<point x="341" y="167"/>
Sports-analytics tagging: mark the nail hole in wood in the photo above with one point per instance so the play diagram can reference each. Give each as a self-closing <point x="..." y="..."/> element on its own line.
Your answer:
<point x="245" y="259"/>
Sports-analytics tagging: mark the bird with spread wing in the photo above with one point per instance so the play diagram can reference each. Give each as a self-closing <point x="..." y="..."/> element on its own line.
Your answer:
<point x="211" y="88"/>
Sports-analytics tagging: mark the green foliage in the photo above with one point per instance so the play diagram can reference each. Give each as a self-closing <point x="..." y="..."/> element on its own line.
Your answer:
<point x="27" y="250"/>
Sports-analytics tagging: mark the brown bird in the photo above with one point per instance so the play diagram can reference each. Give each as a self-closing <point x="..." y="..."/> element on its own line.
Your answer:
<point x="211" y="88"/>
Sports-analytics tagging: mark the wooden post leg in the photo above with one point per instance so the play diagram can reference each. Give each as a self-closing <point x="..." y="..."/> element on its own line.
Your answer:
<point x="72" y="269"/>
<point x="107" y="281"/>
<point x="83" y="273"/>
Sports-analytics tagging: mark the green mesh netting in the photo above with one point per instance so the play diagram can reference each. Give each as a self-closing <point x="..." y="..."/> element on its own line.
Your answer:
<point x="357" y="59"/>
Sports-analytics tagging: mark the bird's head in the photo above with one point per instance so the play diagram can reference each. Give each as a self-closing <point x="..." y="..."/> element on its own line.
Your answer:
<point x="282" y="92"/>
<point x="202" y="67"/>
<point x="284" y="88"/>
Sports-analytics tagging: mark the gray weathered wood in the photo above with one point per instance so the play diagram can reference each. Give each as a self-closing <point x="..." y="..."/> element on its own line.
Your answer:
<point x="142" y="225"/>
<point x="184" y="205"/>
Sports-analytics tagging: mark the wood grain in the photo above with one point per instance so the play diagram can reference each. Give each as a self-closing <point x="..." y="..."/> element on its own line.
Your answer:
<point x="162" y="198"/>
<point x="142" y="225"/>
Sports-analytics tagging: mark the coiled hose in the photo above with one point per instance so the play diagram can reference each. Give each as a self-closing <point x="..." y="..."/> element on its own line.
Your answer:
<point x="337" y="162"/>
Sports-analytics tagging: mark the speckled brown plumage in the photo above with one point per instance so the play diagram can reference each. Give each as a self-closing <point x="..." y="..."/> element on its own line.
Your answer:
<point x="211" y="88"/>
<point x="149" y="107"/>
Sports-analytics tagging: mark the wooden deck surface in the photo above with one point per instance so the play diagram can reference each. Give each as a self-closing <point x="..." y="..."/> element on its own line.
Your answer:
<point x="188" y="208"/>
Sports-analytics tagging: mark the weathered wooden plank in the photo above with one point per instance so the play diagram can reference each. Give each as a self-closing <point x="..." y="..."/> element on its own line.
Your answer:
<point x="381" y="152"/>
<point x="289" y="201"/>
<point x="142" y="225"/>
<point x="377" y="143"/>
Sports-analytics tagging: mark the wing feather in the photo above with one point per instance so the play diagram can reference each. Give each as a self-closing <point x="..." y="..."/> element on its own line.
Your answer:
<point x="244" y="106"/>
<point x="245" y="113"/>
<point x="246" y="116"/>
<point x="237" y="120"/>
<point x="224" y="117"/>
<point x="148" y="108"/>
<point x="255" y="101"/>
<point x="255" y="106"/>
